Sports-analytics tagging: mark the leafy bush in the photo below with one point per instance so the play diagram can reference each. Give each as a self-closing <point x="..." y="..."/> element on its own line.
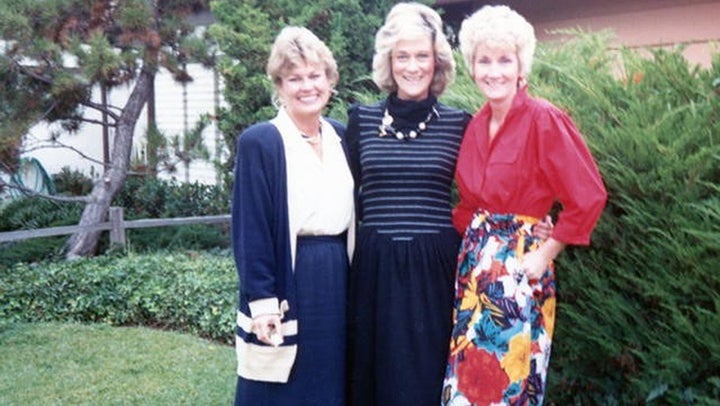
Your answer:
<point x="639" y="310"/>
<point x="641" y="306"/>
<point x="33" y="213"/>
<point x="29" y="251"/>
<point x="72" y="182"/>
<point x="146" y="197"/>
<point x="155" y="198"/>
<point x="191" y="292"/>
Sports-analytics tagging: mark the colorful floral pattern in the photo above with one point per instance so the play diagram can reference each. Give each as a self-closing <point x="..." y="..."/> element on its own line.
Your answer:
<point x="503" y="322"/>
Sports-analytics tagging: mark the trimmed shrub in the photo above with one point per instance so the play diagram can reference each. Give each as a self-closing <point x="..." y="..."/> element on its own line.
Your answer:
<point x="187" y="292"/>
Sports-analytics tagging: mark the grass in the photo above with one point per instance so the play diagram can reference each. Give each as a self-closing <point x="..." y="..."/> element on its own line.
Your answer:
<point x="77" y="364"/>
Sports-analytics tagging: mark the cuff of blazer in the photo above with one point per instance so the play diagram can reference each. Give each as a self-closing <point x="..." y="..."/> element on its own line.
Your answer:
<point x="259" y="307"/>
<point x="265" y="363"/>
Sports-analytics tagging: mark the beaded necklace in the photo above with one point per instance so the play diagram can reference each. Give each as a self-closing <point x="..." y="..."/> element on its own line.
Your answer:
<point x="386" y="126"/>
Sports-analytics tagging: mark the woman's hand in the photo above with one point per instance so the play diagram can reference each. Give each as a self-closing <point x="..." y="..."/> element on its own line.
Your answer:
<point x="535" y="263"/>
<point x="267" y="328"/>
<point x="544" y="229"/>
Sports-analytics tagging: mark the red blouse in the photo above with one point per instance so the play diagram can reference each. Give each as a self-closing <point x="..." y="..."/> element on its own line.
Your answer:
<point x="537" y="156"/>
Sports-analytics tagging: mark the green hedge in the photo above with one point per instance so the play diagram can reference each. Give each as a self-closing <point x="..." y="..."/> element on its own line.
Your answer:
<point x="188" y="292"/>
<point x="639" y="310"/>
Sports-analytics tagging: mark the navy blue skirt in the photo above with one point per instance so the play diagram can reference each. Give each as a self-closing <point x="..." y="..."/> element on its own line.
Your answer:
<point x="400" y="317"/>
<point x="318" y="375"/>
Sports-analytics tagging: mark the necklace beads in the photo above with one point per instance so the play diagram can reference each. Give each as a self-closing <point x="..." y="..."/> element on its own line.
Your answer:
<point x="386" y="126"/>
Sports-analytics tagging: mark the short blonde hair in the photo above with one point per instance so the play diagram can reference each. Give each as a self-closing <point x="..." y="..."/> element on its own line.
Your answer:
<point x="498" y="26"/>
<point x="294" y="46"/>
<point x="410" y="19"/>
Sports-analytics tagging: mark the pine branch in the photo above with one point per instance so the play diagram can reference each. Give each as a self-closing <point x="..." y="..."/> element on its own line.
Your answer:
<point x="58" y="144"/>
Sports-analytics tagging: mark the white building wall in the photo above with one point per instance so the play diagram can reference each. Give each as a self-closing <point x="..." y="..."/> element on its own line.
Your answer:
<point x="176" y="108"/>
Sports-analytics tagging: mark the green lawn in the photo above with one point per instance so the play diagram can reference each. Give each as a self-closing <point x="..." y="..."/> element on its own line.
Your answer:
<point x="76" y="364"/>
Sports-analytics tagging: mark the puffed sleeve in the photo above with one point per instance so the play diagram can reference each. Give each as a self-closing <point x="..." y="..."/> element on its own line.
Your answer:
<point x="570" y="170"/>
<point x="254" y="212"/>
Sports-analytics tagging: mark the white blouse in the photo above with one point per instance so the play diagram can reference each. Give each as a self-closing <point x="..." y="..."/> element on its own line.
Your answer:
<point x="320" y="191"/>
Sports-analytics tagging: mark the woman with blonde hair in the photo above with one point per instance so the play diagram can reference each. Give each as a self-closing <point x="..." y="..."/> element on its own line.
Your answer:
<point x="292" y="208"/>
<point x="403" y="151"/>
<point x="519" y="155"/>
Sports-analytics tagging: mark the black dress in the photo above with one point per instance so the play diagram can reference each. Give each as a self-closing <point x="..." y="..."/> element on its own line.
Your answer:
<point x="401" y="282"/>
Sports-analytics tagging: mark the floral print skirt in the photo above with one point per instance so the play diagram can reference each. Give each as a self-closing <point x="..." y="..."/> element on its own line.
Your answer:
<point x="502" y="322"/>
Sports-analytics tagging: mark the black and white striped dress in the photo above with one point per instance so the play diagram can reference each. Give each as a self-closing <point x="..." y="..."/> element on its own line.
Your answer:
<point x="401" y="283"/>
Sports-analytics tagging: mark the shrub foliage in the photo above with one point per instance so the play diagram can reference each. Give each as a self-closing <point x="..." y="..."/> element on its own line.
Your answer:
<point x="141" y="197"/>
<point x="640" y="309"/>
<point x="144" y="197"/>
<point x="189" y="292"/>
<point x="34" y="213"/>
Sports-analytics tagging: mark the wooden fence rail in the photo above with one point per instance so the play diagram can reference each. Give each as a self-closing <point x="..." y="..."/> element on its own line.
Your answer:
<point x="115" y="224"/>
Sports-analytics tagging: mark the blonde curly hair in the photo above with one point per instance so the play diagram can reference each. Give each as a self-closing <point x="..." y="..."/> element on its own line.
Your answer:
<point x="294" y="46"/>
<point x="498" y="26"/>
<point x="409" y="20"/>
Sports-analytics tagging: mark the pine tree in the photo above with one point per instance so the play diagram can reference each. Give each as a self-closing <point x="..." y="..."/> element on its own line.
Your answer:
<point x="59" y="50"/>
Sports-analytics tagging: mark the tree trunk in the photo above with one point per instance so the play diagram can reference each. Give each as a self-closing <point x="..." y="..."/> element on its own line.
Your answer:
<point x="85" y="243"/>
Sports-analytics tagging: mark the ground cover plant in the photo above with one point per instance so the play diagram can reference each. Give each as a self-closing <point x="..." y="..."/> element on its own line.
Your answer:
<point x="190" y="292"/>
